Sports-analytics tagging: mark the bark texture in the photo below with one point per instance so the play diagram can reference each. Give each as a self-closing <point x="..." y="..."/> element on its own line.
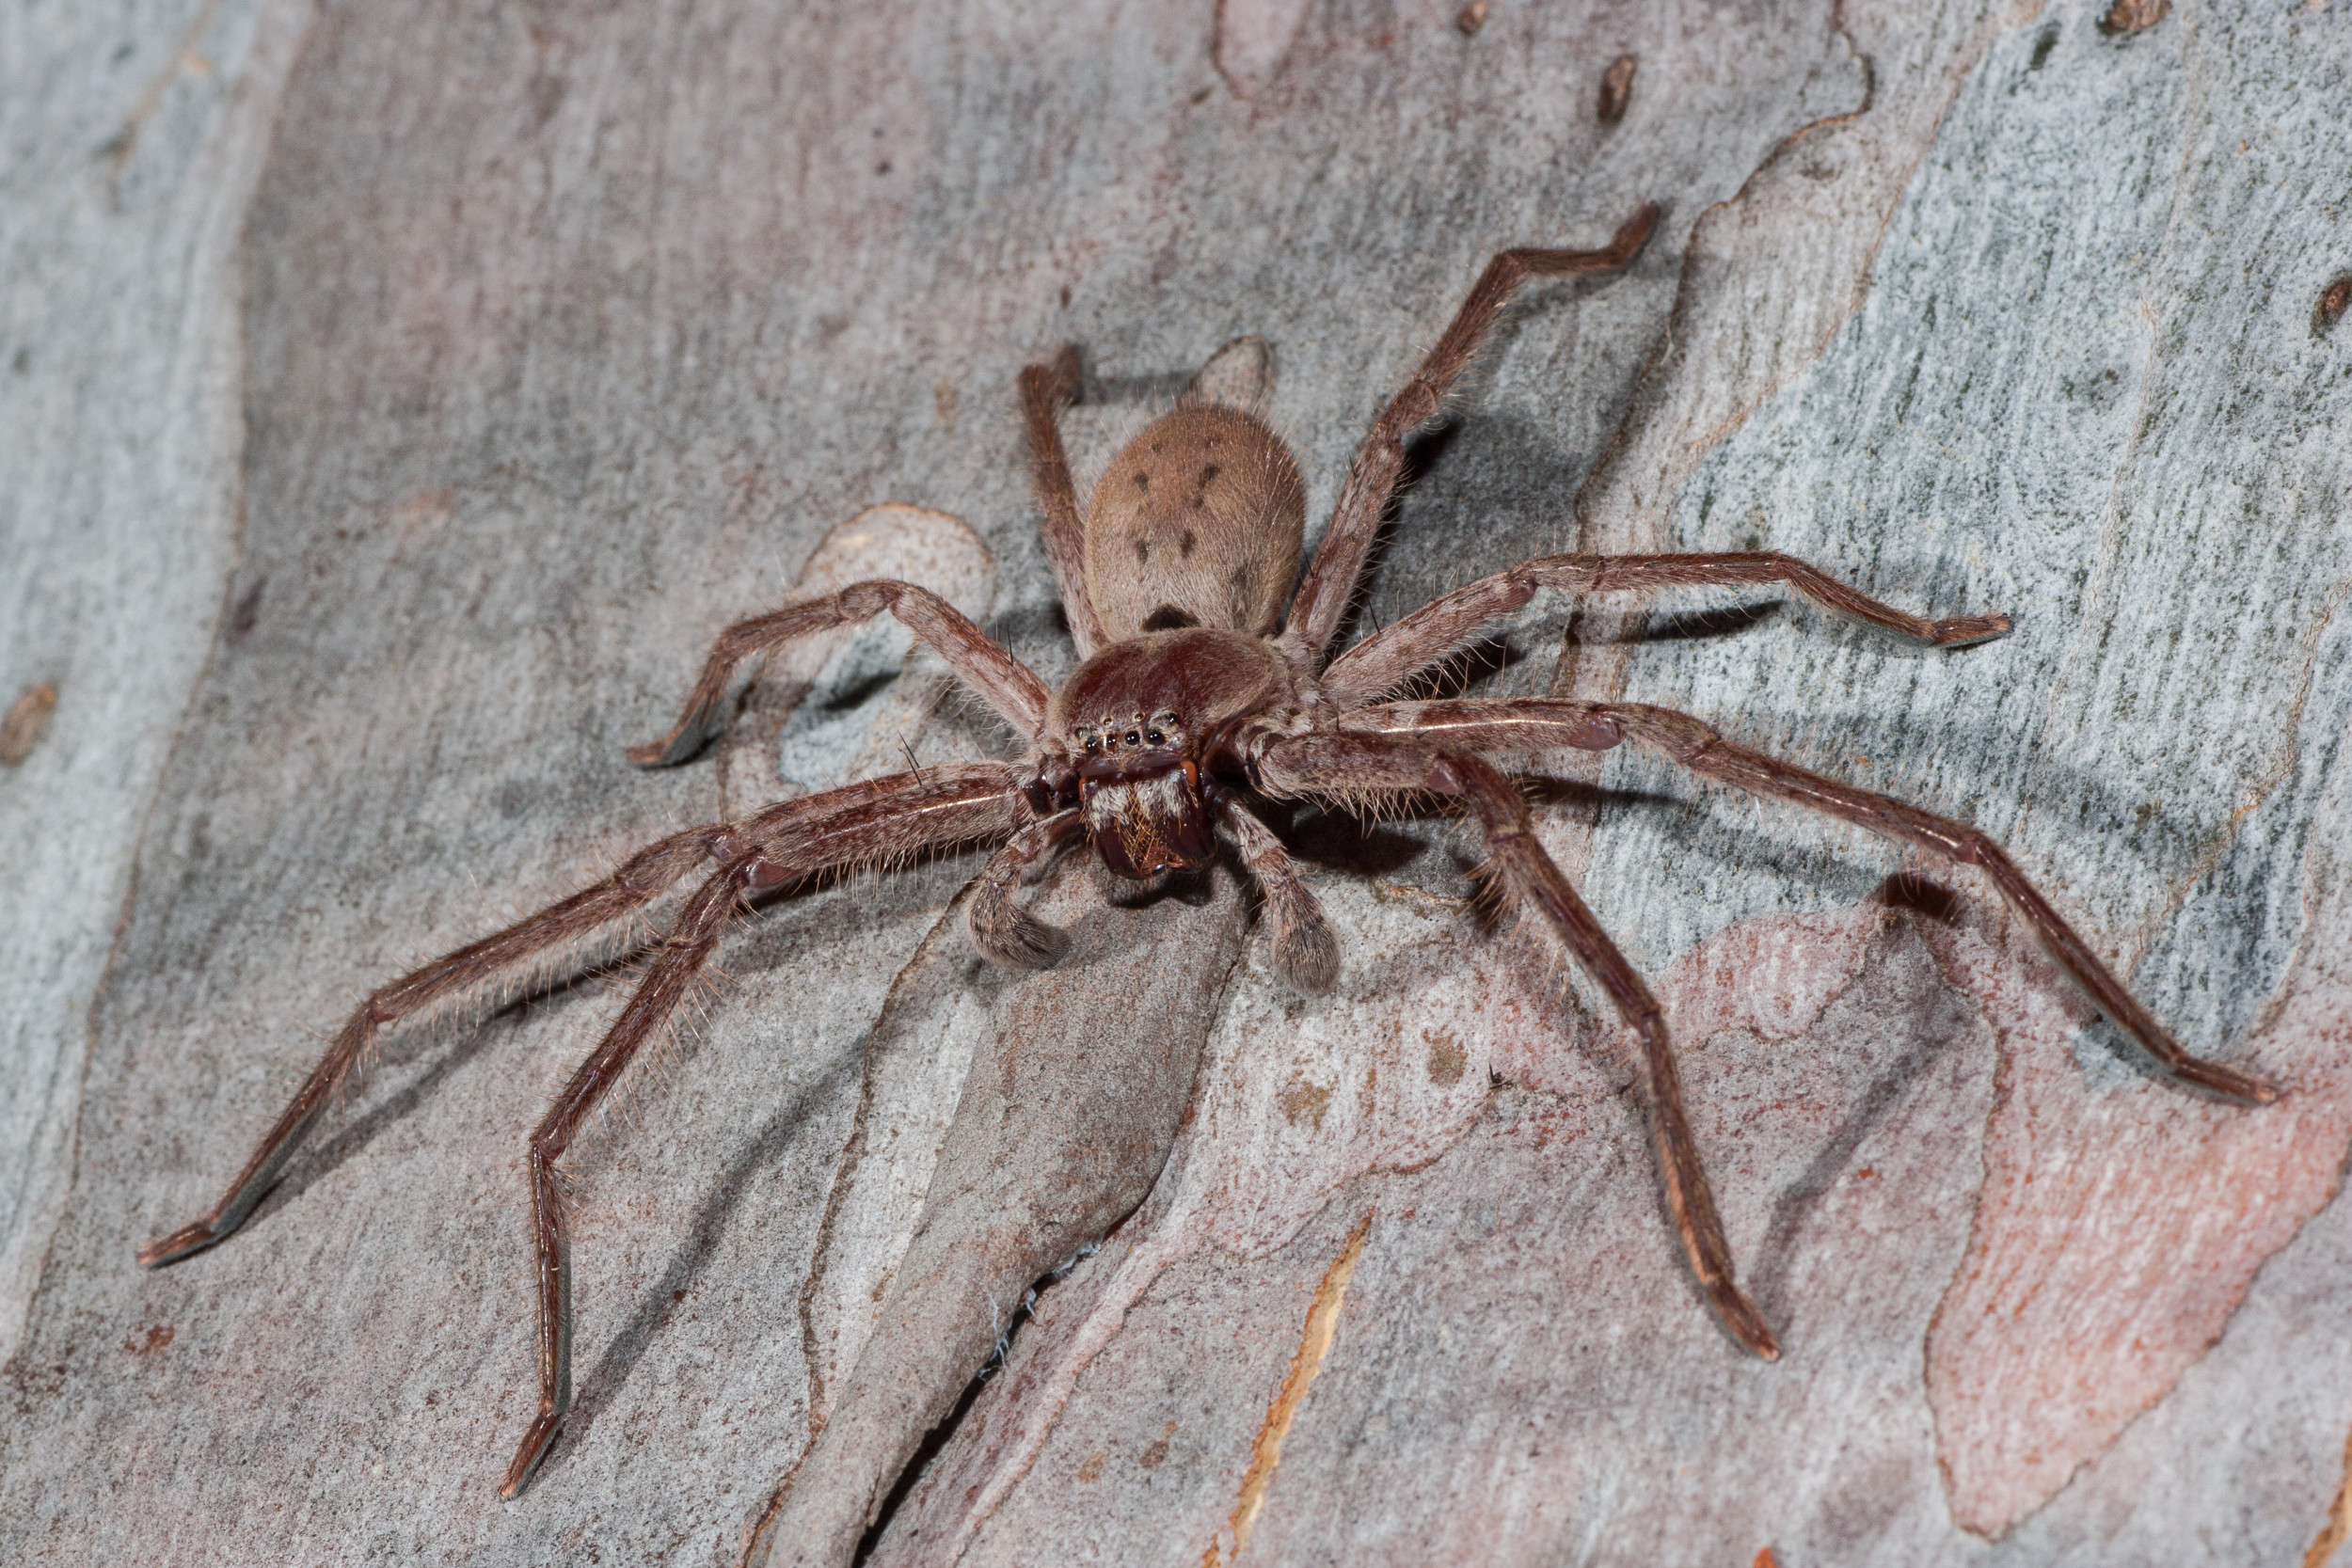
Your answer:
<point x="395" y="400"/>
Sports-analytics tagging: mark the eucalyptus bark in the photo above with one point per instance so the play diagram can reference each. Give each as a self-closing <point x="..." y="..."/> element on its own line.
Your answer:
<point x="395" y="400"/>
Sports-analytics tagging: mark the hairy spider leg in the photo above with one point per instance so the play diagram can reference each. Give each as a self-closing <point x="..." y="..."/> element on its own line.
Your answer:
<point x="1002" y="681"/>
<point x="879" y="820"/>
<point x="644" y="877"/>
<point x="1003" y="931"/>
<point x="1390" y="658"/>
<point x="1353" y="766"/>
<point x="1331" y="582"/>
<point x="1536" y="722"/>
<point x="1306" y="951"/>
<point x="1046" y="391"/>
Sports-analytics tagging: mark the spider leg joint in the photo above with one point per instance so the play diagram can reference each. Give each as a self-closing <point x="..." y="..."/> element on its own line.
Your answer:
<point x="1597" y="733"/>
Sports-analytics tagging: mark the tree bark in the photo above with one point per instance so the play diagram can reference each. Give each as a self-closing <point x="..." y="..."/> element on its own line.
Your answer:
<point x="399" y="398"/>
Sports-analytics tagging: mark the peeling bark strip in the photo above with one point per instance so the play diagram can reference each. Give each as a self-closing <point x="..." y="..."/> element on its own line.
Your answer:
<point x="2339" y="1525"/>
<point x="1314" y="1344"/>
<point x="1057" y="1137"/>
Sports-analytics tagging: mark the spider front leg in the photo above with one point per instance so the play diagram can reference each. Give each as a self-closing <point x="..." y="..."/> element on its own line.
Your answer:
<point x="1322" y="598"/>
<point x="1005" y="932"/>
<point x="1390" y="658"/>
<point x="1356" y="769"/>
<point x="1306" y="951"/>
<point x="644" y="877"/>
<point x="1536" y="722"/>
<point x="880" y="821"/>
<point x="1002" y="681"/>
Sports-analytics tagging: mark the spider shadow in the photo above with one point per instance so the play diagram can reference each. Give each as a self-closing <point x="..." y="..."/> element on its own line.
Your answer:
<point x="1693" y="625"/>
<point x="1192" y="888"/>
<point x="1808" y="855"/>
<point x="1332" y="840"/>
<point x="1931" y="1026"/>
<point x="694" y="1255"/>
<point x="1422" y="453"/>
<point x="465" y="1038"/>
<point x="1429" y="839"/>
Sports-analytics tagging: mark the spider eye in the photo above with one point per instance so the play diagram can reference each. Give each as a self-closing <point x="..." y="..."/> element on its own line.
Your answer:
<point x="1133" y="737"/>
<point x="1154" y="737"/>
<point x="1095" y="743"/>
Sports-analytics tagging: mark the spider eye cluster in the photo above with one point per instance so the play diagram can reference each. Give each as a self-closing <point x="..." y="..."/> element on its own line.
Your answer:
<point x="1111" y="734"/>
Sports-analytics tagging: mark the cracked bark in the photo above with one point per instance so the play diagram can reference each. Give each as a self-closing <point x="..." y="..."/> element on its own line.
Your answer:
<point x="409" y="393"/>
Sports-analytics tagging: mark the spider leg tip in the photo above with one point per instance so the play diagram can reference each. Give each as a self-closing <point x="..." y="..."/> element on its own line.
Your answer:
<point x="1745" y="1323"/>
<point x="1962" y="631"/>
<point x="180" y="1244"/>
<point x="534" y="1449"/>
<point x="2242" y="1087"/>
<point x="1758" y="1339"/>
<point x="654" y="753"/>
<point x="1635" y="231"/>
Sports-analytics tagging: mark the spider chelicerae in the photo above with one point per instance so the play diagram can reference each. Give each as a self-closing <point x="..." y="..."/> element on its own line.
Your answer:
<point x="1202" y="686"/>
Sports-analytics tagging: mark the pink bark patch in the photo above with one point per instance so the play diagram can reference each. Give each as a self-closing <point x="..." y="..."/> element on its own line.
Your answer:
<point x="1771" y="976"/>
<point x="1252" y="39"/>
<point x="2119" y="1227"/>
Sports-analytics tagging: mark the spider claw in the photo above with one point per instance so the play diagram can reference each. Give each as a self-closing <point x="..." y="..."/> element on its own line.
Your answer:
<point x="1009" y="935"/>
<point x="1745" y="1323"/>
<point x="180" y="1244"/>
<point x="535" y="1447"/>
<point x="2225" y="1081"/>
<point x="1962" y="631"/>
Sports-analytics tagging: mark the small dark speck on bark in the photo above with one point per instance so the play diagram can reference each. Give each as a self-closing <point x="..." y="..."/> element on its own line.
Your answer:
<point x="247" y="610"/>
<point x="2126" y="17"/>
<point x="22" y="730"/>
<point x="2332" y="299"/>
<point x="1617" y="89"/>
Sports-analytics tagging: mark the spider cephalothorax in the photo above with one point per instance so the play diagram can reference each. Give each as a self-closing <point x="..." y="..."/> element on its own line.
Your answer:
<point x="1140" y="720"/>
<point x="1205" y="685"/>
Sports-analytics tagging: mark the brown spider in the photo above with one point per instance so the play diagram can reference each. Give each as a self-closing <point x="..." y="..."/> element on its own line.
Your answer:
<point x="1195" y="692"/>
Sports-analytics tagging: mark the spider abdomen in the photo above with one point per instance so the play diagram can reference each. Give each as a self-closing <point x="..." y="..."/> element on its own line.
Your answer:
<point x="1197" y="523"/>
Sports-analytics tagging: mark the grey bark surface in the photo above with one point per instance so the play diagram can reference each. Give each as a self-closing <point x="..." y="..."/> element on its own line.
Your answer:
<point x="1061" y="1129"/>
<point x="395" y="400"/>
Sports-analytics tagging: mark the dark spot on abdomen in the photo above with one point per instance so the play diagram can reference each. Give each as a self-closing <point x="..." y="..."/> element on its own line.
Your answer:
<point x="1201" y="495"/>
<point x="1143" y="553"/>
<point x="1184" y="544"/>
